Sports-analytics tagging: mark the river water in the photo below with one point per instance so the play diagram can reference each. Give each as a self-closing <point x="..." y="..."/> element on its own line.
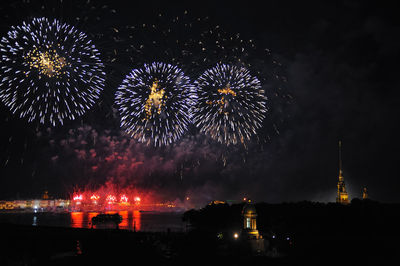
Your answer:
<point x="131" y="220"/>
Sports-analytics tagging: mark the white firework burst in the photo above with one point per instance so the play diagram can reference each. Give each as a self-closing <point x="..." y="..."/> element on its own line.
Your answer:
<point x="49" y="71"/>
<point x="155" y="102"/>
<point x="231" y="104"/>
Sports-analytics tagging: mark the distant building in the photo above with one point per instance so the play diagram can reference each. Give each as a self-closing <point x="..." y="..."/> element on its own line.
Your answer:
<point x="250" y="232"/>
<point x="45" y="195"/>
<point x="216" y="202"/>
<point x="364" y="193"/>
<point x="342" y="196"/>
<point x="35" y="204"/>
<point x="250" y="221"/>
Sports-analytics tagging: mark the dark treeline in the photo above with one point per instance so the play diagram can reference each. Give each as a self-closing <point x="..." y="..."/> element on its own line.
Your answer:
<point x="361" y="217"/>
<point x="362" y="230"/>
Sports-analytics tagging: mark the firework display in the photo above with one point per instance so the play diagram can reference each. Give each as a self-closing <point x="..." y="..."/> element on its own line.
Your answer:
<point x="144" y="110"/>
<point x="203" y="45"/>
<point x="231" y="104"/>
<point x="49" y="71"/>
<point x="154" y="103"/>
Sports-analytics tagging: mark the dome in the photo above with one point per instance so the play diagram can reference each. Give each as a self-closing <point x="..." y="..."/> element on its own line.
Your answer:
<point x="249" y="208"/>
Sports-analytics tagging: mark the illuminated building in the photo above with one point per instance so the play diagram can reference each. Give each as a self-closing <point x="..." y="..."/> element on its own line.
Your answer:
<point x="250" y="221"/>
<point x="36" y="204"/>
<point x="342" y="196"/>
<point x="364" y="193"/>
<point x="216" y="202"/>
<point x="250" y="233"/>
<point x="6" y="205"/>
<point x="45" y="195"/>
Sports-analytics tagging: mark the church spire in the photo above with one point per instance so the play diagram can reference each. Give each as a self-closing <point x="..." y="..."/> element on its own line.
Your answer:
<point x="340" y="161"/>
<point x="342" y="196"/>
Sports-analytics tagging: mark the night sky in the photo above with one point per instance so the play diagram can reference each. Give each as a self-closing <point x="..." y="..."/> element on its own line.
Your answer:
<point x="337" y="62"/>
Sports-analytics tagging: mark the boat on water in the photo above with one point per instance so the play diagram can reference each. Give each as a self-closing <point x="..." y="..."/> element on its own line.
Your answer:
<point x="103" y="218"/>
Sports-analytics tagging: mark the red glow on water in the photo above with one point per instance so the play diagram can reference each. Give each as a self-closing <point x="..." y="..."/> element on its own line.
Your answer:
<point x="124" y="223"/>
<point x="77" y="219"/>
<point x="131" y="220"/>
<point x="136" y="221"/>
<point x="124" y="199"/>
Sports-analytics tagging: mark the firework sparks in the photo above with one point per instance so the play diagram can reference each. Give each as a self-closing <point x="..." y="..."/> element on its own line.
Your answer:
<point x="95" y="197"/>
<point x="78" y="197"/>
<point x="154" y="103"/>
<point x="231" y="104"/>
<point x="124" y="199"/>
<point x="49" y="71"/>
<point x="156" y="99"/>
<point x="48" y="63"/>
<point x="111" y="199"/>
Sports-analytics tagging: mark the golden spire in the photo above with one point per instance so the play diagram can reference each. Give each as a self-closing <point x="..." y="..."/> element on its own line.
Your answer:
<point x="364" y="193"/>
<point x="340" y="161"/>
<point x="342" y="196"/>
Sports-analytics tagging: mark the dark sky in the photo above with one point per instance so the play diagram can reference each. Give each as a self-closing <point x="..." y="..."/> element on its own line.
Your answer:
<point x="340" y="60"/>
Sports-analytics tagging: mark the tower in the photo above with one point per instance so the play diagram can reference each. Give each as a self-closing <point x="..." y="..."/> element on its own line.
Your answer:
<point x="45" y="195"/>
<point x="364" y="193"/>
<point x="342" y="196"/>
<point x="250" y="221"/>
<point x="251" y="236"/>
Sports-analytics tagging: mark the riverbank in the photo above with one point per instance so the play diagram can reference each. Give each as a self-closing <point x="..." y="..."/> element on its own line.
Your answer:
<point x="40" y="245"/>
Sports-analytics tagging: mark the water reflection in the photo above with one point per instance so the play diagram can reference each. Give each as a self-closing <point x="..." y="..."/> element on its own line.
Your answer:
<point x="78" y="248"/>
<point x="77" y="219"/>
<point x="136" y="221"/>
<point x="124" y="223"/>
<point x="131" y="220"/>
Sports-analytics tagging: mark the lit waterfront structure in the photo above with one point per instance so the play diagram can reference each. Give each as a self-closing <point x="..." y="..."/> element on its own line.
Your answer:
<point x="342" y="195"/>
<point x="77" y="205"/>
<point x="35" y="204"/>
